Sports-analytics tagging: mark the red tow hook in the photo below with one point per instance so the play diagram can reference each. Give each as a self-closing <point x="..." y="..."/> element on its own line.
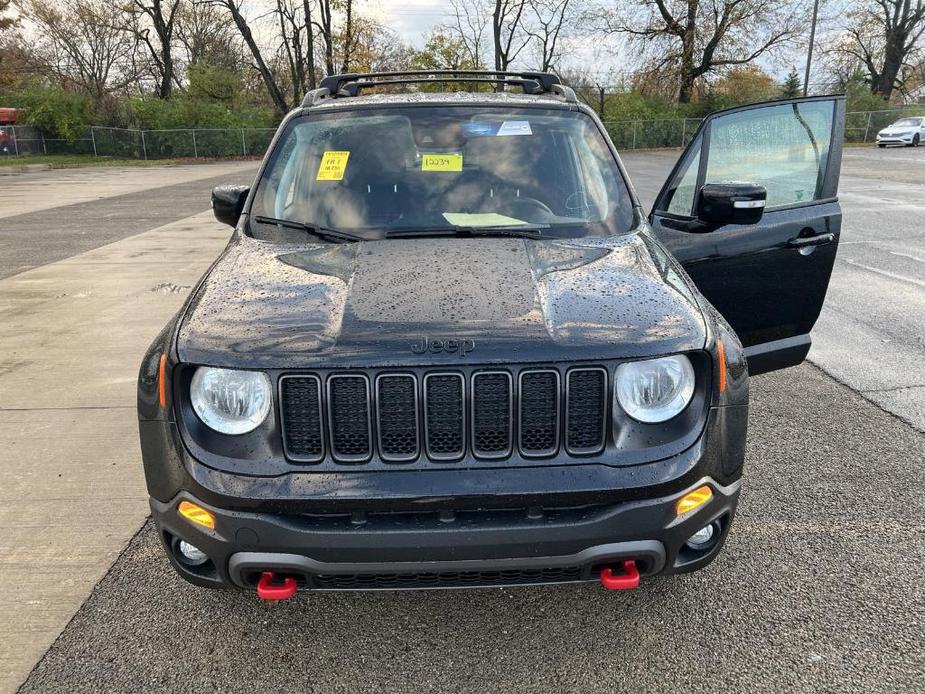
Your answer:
<point x="267" y="589"/>
<point x="627" y="580"/>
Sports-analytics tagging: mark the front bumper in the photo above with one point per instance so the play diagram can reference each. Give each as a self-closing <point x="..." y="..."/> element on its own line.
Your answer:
<point x="895" y="139"/>
<point x="430" y="549"/>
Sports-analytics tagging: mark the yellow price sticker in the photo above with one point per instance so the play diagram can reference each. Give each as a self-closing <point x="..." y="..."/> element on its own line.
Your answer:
<point x="332" y="167"/>
<point x="441" y="162"/>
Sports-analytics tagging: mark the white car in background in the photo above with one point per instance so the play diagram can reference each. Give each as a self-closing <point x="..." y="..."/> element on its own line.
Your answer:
<point x="906" y="131"/>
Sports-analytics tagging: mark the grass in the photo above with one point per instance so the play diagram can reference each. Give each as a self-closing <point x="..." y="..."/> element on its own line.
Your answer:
<point x="68" y="161"/>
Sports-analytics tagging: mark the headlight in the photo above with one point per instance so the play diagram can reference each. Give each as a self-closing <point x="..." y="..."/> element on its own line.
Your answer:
<point x="230" y="401"/>
<point x="655" y="390"/>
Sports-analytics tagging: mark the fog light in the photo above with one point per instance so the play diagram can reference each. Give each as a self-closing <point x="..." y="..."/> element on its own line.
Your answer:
<point x="703" y="537"/>
<point x="192" y="554"/>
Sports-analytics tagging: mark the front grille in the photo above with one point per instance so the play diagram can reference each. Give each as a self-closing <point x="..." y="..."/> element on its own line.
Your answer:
<point x="492" y="420"/>
<point x="447" y="579"/>
<point x="443" y="417"/>
<point x="348" y="413"/>
<point x="539" y="412"/>
<point x="300" y="404"/>
<point x="397" y="417"/>
<point x="585" y="411"/>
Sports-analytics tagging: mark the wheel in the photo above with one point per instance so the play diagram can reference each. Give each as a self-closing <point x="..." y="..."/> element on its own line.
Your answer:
<point x="915" y="140"/>
<point x="880" y="145"/>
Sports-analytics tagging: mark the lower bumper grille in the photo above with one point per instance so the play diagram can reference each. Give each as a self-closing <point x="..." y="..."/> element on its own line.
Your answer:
<point x="448" y="579"/>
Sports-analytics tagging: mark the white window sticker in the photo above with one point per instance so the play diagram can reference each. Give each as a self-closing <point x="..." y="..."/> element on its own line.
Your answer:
<point x="514" y="127"/>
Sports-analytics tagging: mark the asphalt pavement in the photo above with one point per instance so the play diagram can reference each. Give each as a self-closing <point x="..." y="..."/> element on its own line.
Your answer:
<point x="818" y="588"/>
<point x="94" y="218"/>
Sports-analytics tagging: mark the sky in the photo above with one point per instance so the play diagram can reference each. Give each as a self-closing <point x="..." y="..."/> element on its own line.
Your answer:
<point x="412" y="20"/>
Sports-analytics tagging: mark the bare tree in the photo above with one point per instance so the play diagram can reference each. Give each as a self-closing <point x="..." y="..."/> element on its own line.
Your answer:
<point x="883" y="36"/>
<point x="547" y="21"/>
<point x="279" y="100"/>
<point x="161" y="16"/>
<point x="291" y="26"/>
<point x="348" y="36"/>
<point x="309" y="43"/>
<point x="83" y="43"/>
<point x="508" y="32"/>
<point x="207" y="37"/>
<point x="469" y="24"/>
<point x="692" y="38"/>
<point x="325" y="27"/>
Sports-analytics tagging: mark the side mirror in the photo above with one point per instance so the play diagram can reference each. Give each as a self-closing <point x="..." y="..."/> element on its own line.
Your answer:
<point x="227" y="203"/>
<point x="731" y="203"/>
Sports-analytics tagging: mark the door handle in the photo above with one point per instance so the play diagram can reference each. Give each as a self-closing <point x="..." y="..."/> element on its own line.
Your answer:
<point x="806" y="241"/>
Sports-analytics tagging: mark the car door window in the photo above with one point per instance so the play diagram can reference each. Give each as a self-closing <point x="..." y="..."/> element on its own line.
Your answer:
<point x="681" y="198"/>
<point x="783" y="148"/>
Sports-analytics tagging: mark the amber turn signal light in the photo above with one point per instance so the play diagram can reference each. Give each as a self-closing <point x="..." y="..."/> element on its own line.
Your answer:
<point x="196" y="514"/>
<point x="693" y="500"/>
<point x="162" y="382"/>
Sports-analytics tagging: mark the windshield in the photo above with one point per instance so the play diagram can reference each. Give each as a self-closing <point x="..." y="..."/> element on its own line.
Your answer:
<point x="402" y="171"/>
<point x="907" y="122"/>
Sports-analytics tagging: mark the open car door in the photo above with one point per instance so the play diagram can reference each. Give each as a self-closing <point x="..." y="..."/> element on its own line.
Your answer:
<point x="751" y="212"/>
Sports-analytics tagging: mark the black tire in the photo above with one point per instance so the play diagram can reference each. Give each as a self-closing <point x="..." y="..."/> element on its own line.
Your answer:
<point x="880" y="145"/>
<point x="915" y="140"/>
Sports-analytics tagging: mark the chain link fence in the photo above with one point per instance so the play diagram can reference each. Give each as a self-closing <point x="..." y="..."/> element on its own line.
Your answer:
<point x="652" y="134"/>
<point x="195" y="143"/>
<point x="120" y="143"/>
<point x="860" y="127"/>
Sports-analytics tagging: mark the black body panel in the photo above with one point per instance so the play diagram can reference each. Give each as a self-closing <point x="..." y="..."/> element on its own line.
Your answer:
<point x="371" y="304"/>
<point x="768" y="279"/>
<point x="767" y="288"/>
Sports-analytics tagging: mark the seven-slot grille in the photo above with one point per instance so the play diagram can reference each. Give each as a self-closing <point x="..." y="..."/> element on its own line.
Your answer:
<point x="442" y="416"/>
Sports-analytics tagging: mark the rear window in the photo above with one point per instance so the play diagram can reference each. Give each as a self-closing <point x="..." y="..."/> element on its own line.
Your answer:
<point x="368" y="172"/>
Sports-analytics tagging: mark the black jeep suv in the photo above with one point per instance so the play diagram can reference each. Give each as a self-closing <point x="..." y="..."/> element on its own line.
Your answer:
<point x="446" y="347"/>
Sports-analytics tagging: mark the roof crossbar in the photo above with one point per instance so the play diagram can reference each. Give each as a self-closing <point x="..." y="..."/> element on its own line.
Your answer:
<point x="349" y="84"/>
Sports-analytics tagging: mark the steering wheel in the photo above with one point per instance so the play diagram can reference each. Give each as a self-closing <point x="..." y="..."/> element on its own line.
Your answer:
<point x="533" y="204"/>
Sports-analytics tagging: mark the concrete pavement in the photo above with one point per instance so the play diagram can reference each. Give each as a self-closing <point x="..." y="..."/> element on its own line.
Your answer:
<point x="44" y="190"/>
<point x="43" y="236"/>
<point x="71" y="486"/>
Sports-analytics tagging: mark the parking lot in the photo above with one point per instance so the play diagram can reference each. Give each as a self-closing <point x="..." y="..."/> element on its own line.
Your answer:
<point x="819" y="587"/>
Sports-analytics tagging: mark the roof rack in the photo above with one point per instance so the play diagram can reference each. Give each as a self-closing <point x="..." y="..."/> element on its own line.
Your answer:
<point x="349" y="84"/>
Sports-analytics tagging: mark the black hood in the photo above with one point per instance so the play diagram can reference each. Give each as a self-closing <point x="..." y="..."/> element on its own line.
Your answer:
<point x="474" y="300"/>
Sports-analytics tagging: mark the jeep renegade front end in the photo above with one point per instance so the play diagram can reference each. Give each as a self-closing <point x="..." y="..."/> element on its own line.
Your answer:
<point x="446" y="347"/>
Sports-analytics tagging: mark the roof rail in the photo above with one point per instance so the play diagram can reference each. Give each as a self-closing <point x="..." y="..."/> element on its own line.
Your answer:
<point x="349" y="84"/>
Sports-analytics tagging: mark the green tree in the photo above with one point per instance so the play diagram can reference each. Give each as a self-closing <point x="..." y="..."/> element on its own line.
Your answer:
<point x="58" y="112"/>
<point x="443" y="52"/>
<point x="792" y="86"/>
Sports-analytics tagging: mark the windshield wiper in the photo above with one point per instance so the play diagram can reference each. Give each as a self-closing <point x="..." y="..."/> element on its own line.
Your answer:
<point x="313" y="229"/>
<point x="531" y="231"/>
